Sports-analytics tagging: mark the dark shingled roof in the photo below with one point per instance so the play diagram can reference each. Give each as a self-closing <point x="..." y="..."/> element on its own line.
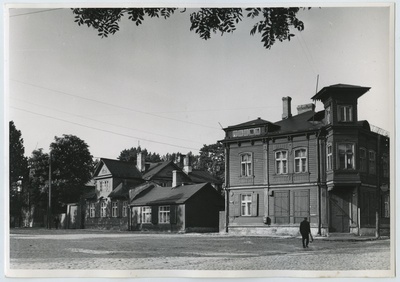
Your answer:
<point x="121" y="191"/>
<point x="201" y="176"/>
<point x="306" y="121"/>
<point x="158" y="195"/>
<point x="119" y="168"/>
<point x="341" y="89"/>
<point x="251" y="123"/>
<point x="153" y="171"/>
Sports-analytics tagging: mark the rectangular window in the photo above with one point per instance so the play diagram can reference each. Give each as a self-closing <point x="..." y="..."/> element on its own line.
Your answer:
<point x="346" y="156"/>
<point x="92" y="210"/>
<point x="386" y="206"/>
<point x="281" y="206"/>
<point x="246" y="205"/>
<point x="300" y="160"/>
<point x="163" y="214"/>
<point x="372" y="162"/>
<point x="345" y="113"/>
<point x="328" y="115"/>
<point x="281" y="162"/>
<point x="363" y="160"/>
<point x="329" y="159"/>
<point x="114" y="209"/>
<point x="103" y="209"/>
<point x="246" y="165"/>
<point x="146" y="214"/>
<point x="385" y="165"/>
<point x="125" y="209"/>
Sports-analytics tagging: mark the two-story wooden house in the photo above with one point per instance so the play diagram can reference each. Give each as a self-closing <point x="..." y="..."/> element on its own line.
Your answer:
<point x="326" y="166"/>
<point x="108" y="205"/>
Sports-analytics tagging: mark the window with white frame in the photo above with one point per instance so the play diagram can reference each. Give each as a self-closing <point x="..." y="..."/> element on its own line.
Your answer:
<point x="281" y="162"/>
<point x="246" y="165"/>
<point x="163" y="214"/>
<point x="124" y="208"/>
<point x="146" y="214"/>
<point x="345" y="113"/>
<point x="246" y="205"/>
<point x="346" y="155"/>
<point x="114" y="209"/>
<point x="300" y="160"/>
<point x="363" y="160"/>
<point x="103" y="209"/>
<point x="92" y="209"/>
<point x="329" y="159"/>
<point x="372" y="162"/>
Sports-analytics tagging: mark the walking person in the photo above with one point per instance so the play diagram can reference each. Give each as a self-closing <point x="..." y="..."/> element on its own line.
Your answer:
<point x="305" y="231"/>
<point x="56" y="222"/>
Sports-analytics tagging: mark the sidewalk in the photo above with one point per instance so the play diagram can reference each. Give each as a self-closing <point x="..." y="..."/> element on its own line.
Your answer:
<point x="348" y="237"/>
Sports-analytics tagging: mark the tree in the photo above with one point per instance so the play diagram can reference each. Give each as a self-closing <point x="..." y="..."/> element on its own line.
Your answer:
<point x="18" y="161"/>
<point x="38" y="180"/>
<point x="212" y="159"/>
<point x="130" y="155"/>
<point x="271" y="23"/>
<point x="18" y="174"/>
<point x="72" y="168"/>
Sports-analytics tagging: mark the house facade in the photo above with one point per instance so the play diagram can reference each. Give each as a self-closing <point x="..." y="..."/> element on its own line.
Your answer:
<point x="179" y="208"/>
<point x="326" y="166"/>
<point x="108" y="205"/>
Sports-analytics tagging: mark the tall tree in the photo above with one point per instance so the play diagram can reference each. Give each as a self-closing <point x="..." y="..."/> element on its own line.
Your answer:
<point x="39" y="179"/>
<point x="18" y="161"/>
<point x="212" y="159"/>
<point x="18" y="174"/>
<point x="271" y="23"/>
<point x="130" y="155"/>
<point x="72" y="168"/>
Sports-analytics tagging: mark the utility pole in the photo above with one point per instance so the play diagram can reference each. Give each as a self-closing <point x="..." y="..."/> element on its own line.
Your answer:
<point x="49" y="206"/>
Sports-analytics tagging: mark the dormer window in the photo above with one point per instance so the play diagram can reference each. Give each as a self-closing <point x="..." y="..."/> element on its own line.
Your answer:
<point x="345" y="113"/>
<point x="246" y="132"/>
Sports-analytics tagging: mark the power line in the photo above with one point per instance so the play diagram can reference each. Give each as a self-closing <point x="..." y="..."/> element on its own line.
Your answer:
<point x="113" y="105"/>
<point x="36" y="12"/>
<point x="104" y="122"/>
<point x="104" y="130"/>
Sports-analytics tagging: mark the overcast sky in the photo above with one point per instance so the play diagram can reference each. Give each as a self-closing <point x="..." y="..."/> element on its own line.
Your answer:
<point x="162" y="86"/>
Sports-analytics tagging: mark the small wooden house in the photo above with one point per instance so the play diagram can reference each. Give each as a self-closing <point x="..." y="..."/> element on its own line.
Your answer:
<point x="184" y="208"/>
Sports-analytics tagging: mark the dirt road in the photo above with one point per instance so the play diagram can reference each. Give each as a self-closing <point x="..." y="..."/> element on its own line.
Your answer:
<point x="83" y="249"/>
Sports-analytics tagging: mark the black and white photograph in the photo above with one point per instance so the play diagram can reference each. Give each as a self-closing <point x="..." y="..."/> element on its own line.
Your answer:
<point x="160" y="141"/>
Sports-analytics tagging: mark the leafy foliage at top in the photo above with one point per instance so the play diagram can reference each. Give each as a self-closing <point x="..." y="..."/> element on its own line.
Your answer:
<point x="273" y="23"/>
<point x="72" y="167"/>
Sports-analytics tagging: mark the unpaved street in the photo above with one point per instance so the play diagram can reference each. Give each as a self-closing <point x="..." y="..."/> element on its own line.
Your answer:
<point x="83" y="249"/>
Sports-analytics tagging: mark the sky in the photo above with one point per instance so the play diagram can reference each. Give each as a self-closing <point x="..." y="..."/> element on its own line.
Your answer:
<point x="160" y="86"/>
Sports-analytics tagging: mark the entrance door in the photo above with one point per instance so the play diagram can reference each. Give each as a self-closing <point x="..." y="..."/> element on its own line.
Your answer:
<point x="339" y="203"/>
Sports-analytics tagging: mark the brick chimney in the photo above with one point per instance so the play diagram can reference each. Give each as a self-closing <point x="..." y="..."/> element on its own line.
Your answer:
<point x="305" y="108"/>
<point x="140" y="162"/>
<point x="177" y="178"/>
<point x="187" y="167"/>
<point x="287" y="111"/>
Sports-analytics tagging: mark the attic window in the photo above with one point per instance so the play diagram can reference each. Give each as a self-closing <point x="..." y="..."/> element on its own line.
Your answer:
<point x="345" y="113"/>
<point x="246" y="132"/>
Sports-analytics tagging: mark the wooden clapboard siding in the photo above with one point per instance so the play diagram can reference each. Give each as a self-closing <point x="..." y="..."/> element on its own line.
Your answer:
<point x="257" y="153"/>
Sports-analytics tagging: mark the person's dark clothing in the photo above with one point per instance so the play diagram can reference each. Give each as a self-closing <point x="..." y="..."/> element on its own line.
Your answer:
<point x="56" y="222"/>
<point x="305" y="231"/>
